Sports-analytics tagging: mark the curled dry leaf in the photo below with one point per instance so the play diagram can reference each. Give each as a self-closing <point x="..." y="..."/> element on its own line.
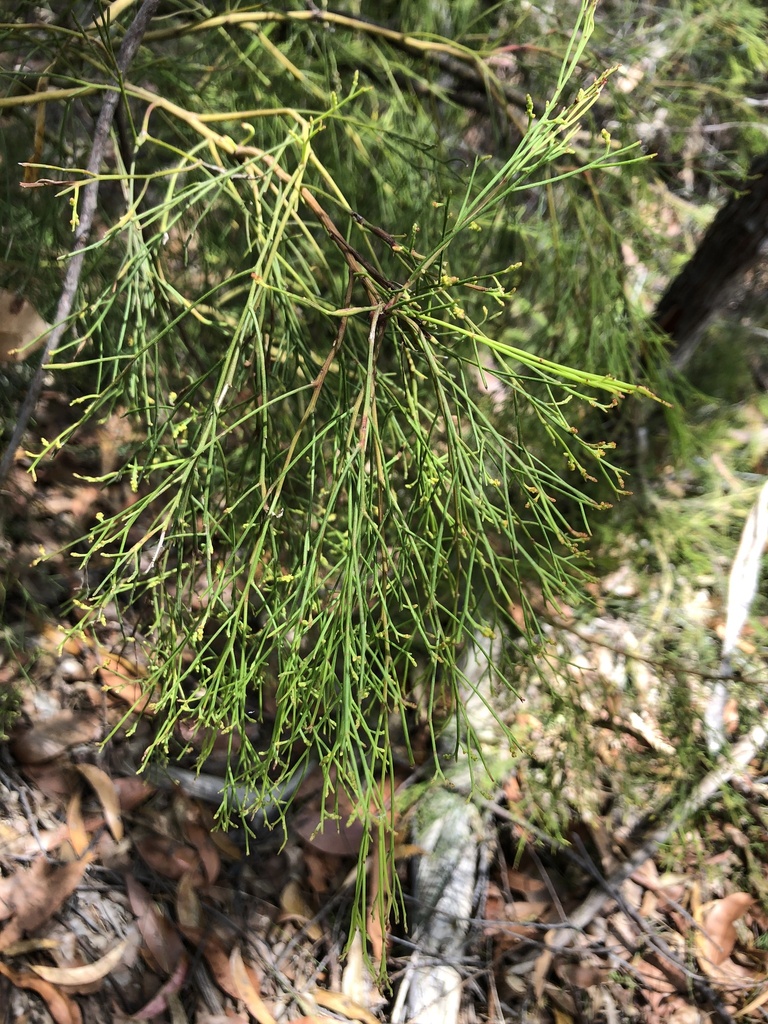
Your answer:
<point x="294" y="905"/>
<point x="105" y="790"/>
<point x="356" y="979"/>
<point x="247" y="989"/>
<point x="54" y="639"/>
<point x="78" y="837"/>
<point x="337" y="1002"/>
<point x="62" y="1009"/>
<point x="375" y="928"/>
<point x="507" y="923"/>
<point x="217" y="959"/>
<point x="313" y="1018"/>
<point x="85" y="974"/>
<point x="121" y="677"/>
<point x="588" y="973"/>
<point x="22" y="329"/>
<point x="527" y="883"/>
<point x="226" y="847"/>
<point x="320" y="870"/>
<point x="654" y="984"/>
<point x="542" y="966"/>
<point x="25" y="946"/>
<point x="716" y="939"/>
<point x="226" y="1018"/>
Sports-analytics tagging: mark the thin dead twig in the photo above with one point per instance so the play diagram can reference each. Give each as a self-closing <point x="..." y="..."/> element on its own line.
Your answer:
<point x="125" y="56"/>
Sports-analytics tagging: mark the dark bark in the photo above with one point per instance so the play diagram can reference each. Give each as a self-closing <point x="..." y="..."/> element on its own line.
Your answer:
<point x="729" y="249"/>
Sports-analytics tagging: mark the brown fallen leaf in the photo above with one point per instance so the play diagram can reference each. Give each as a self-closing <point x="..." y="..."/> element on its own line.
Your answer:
<point x="215" y="956"/>
<point x="294" y="905"/>
<point x="85" y="974"/>
<point x="167" y="857"/>
<point x="320" y="870"/>
<point x="62" y="1009"/>
<point x="132" y="791"/>
<point x="655" y="984"/>
<point x="159" y="1002"/>
<point x="56" y="639"/>
<point x="587" y="973"/>
<point x="189" y="913"/>
<point x="38" y="893"/>
<point x="716" y="939"/>
<point x="129" y="691"/>
<point x="54" y="779"/>
<point x="200" y="838"/>
<point x="55" y="735"/>
<point x="160" y="936"/>
<point x="527" y="883"/>
<point x="123" y="678"/>
<point x="108" y="796"/>
<point x="78" y="837"/>
<point x="226" y="847"/>
<point x="247" y="989"/>
<point x="338" y="839"/>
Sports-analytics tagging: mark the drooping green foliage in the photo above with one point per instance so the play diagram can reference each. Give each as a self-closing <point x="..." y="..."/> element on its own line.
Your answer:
<point x="364" y="295"/>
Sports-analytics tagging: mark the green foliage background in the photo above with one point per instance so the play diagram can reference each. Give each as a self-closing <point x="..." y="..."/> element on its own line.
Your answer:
<point x="370" y="283"/>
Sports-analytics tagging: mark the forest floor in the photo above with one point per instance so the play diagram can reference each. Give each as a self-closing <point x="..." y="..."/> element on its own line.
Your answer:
<point x="120" y="899"/>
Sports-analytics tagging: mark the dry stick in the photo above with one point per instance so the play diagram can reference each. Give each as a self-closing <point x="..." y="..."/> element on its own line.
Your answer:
<point x="127" y="52"/>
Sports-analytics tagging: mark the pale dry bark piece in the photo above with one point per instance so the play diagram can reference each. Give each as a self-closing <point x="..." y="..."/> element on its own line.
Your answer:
<point x="742" y="588"/>
<point x="449" y="828"/>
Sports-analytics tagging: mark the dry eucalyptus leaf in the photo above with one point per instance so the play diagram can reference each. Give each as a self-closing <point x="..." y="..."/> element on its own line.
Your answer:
<point x="247" y="987"/>
<point x="22" y="329"/>
<point x="54" y="736"/>
<point x="84" y="974"/>
<point x="718" y="937"/>
<point x="108" y="796"/>
<point x="62" y="1009"/>
<point x="37" y="893"/>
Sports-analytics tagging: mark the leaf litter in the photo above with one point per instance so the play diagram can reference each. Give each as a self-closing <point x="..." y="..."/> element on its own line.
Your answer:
<point x="119" y="899"/>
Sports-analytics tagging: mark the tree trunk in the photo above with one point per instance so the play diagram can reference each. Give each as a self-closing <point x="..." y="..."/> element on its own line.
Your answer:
<point x="728" y="250"/>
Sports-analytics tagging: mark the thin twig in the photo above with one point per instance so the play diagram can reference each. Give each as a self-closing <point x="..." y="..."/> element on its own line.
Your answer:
<point x="740" y="756"/>
<point x="125" y="56"/>
<point x="664" y="663"/>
